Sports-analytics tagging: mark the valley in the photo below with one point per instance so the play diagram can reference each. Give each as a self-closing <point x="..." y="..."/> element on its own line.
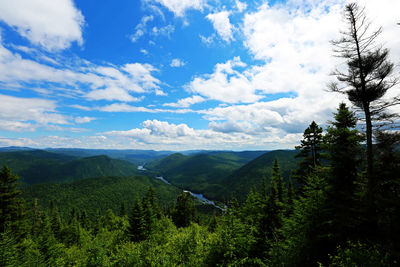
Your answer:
<point x="84" y="179"/>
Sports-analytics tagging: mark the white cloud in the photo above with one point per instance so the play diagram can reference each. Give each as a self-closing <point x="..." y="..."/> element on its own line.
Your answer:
<point x="141" y="28"/>
<point x="144" y="51"/>
<point x="186" y="102"/>
<point x="165" y="135"/>
<point x="222" y="25"/>
<point x="53" y="25"/>
<point x="241" y="6"/>
<point x="84" y="119"/>
<point x="160" y="92"/>
<point x="226" y="84"/>
<point x="19" y="114"/>
<point x="179" y="7"/>
<point x="30" y="109"/>
<point x="176" y="62"/>
<point x="166" y="30"/>
<point x="122" y="107"/>
<point x="207" y="40"/>
<point x="81" y="107"/>
<point x="104" y="82"/>
<point x="16" y="126"/>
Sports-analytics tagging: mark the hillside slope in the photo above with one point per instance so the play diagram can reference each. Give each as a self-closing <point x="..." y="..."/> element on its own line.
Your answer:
<point x="39" y="166"/>
<point x="98" y="194"/>
<point x="242" y="180"/>
<point x="200" y="172"/>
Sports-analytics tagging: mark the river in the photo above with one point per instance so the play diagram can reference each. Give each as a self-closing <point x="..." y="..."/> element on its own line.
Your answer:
<point x="198" y="196"/>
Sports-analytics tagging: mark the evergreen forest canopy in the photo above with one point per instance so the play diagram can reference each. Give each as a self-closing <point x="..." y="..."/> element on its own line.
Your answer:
<point x="339" y="205"/>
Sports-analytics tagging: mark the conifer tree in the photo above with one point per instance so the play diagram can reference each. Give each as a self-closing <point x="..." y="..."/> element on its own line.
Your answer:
<point x="310" y="152"/>
<point x="305" y="234"/>
<point x="343" y="144"/>
<point x="184" y="212"/>
<point x="367" y="79"/>
<point x="137" y="223"/>
<point x="388" y="190"/>
<point x="55" y="220"/>
<point x="10" y="204"/>
<point x="290" y="196"/>
<point x="277" y="182"/>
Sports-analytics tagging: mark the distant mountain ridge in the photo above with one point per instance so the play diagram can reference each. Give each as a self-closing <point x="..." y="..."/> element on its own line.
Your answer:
<point x="38" y="166"/>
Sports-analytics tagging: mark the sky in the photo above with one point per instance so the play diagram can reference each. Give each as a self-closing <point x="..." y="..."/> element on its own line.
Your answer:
<point x="172" y="74"/>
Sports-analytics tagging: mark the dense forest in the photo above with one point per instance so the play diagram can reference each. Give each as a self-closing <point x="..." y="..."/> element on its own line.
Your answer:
<point x="338" y="206"/>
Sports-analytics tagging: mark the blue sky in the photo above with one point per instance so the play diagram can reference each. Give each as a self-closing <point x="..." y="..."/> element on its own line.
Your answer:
<point x="169" y="74"/>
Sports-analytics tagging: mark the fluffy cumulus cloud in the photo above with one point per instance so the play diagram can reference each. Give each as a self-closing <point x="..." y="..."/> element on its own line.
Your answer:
<point x="226" y="84"/>
<point x="179" y="7"/>
<point x="53" y="25"/>
<point x="222" y="25"/>
<point x="164" y="135"/>
<point x="91" y="81"/>
<point x="293" y="42"/>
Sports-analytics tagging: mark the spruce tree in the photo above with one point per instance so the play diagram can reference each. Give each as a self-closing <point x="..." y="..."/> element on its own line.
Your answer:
<point x="10" y="204"/>
<point x="137" y="223"/>
<point x="343" y="145"/>
<point x="290" y="196"/>
<point x="184" y="211"/>
<point x="310" y="152"/>
<point x="277" y="182"/>
<point x="55" y="220"/>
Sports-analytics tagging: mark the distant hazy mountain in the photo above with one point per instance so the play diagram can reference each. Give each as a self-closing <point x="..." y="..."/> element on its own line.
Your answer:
<point x="38" y="166"/>
<point x="132" y="155"/>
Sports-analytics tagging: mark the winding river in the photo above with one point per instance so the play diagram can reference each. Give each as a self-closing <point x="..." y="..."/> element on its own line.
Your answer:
<point x="198" y="196"/>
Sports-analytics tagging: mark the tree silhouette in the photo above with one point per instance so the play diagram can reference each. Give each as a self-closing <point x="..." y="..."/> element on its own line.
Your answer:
<point x="367" y="79"/>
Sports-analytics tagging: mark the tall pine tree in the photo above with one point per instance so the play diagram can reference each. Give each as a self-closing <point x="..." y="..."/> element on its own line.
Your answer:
<point x="343" y="145"/>
<point x="310" y="152"/>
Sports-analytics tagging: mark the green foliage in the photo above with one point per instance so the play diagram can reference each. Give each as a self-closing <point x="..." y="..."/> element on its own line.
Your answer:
<point x="200" y="172"/>
<point x="183" y="212"/>
<point x="98" y="193"/>
<point x="305" y="234"/>
<point x="10" y="204"/>
<point x="310" y="152"/>
<point x="39" y="166"/>
<point x="242" y="180"/>
<point x="137" y="223"/>
<point x="359" y="254"/>
<point x="343" y="143"/>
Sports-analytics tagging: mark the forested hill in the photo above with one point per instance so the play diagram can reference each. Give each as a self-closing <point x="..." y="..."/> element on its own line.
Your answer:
<point x="37" y="166"/>
<point x="201" y="172"/>
<point x="242" y="180"/>
<point x="96" y="195"/>
<point x="222" y="175"/>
